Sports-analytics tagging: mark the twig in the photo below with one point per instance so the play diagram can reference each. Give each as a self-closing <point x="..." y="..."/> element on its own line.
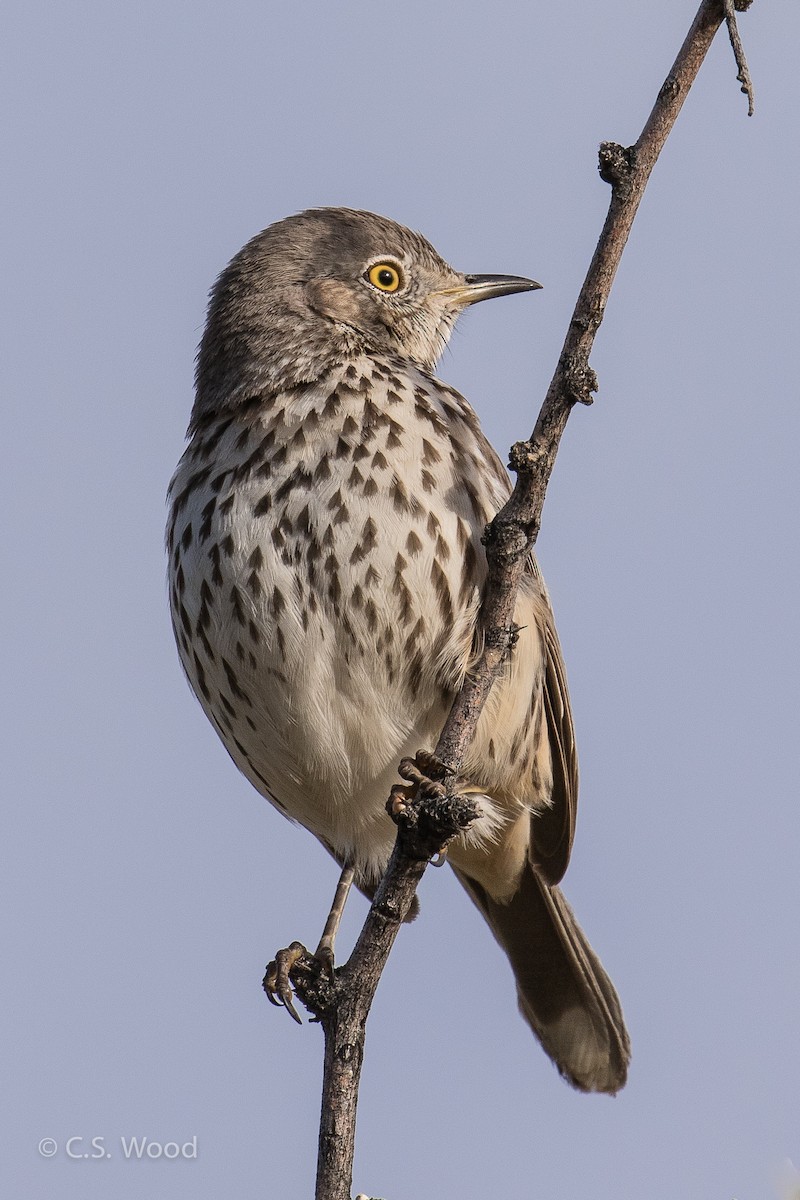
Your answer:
<point x="425" y="826"/>
<point x="731" y="7"/>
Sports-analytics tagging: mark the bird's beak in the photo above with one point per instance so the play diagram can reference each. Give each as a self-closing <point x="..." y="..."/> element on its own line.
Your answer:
<point x="485" y="287"/>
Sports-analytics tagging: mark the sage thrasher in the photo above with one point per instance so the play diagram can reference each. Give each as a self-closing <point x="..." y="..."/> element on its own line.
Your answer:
<point x="326" y="567"/>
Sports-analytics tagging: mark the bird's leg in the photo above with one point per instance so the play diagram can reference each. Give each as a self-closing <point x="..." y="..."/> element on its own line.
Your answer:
<point x="324" y="951"/>
<point x="278" y="978"/>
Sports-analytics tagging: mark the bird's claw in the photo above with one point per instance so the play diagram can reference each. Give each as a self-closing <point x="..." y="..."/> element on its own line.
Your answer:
<point x="278" y="978"/>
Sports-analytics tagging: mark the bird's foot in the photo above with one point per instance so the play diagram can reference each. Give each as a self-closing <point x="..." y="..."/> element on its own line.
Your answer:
<point x="429" y="815"/>
<point x="296" y="972"/>
<point x="425" y="774"/>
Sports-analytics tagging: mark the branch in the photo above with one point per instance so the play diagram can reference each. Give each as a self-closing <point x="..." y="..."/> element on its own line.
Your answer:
<point x="427" y="812"/>
<point x="731" y="7"/>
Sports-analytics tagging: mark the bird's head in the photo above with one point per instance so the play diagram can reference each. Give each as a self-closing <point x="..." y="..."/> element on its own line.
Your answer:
<point x="322" y="286"/>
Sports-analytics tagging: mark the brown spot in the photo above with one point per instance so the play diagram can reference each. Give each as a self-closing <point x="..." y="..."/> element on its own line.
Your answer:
<point x="263" y="506"/>
<point x="201" y="633"/>
<point x="371" y="416"/>
<point x="201" y="677"/>
<point x="355" y="477"/>
<point x="322" y="471"/>
<point x="278" y="602"/>
<point x="428" y="481"/>
<point x="370" y="487"/>
<point x="491" y="750"/>
<point x="413" y="544"/>
<point x="238" y="606"/>
<point x="424" y="410"/>
<point x="332" y="405"/>
<point x="334" y="590"/>
<point x="216" y="574"/>
<point x="401" y="590"/>
<point x="399" y="494"/>
<point x="185" y="620"/>
<point x="367" y="541"/>
<point x="379" y="461"/>
<point x="371" y="576"/>
<point x="442" y="589"/>
<point x="233" y="683"/>
<point x="350" y="427"/>
<point x="252" y="629"/>
<point x="357" y="598"/>
<point x="186" y="536"/>
<point x="463" y="533"/>
<point x="469" y="572"/>
<point x="209" y="444"/>
<point x="299" y="478"/>
<point x="226" y="505"/>
<point x="414" y="673"/>
<point x="249" y="465"/>
<point x="433" y="525"/>
<point x="442" y="548"/>
<point x="430" y="454"/>
<point x="392" y="397"/>
<point x="183" y="495"/>
<point x="416" y="633"/>
<point x="371" y="613"/>
<point x="360" y="452"/>
<point x="477" y="508"/>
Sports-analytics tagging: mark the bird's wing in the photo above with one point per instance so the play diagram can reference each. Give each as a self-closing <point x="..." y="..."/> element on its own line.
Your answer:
<point x="553" y="829"/>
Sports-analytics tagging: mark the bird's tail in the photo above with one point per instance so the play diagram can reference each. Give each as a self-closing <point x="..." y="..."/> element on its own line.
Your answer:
<point x="564" y="994"/>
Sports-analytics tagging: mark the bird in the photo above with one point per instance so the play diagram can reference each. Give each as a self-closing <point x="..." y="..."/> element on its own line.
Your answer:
<point x="325" y="577"/>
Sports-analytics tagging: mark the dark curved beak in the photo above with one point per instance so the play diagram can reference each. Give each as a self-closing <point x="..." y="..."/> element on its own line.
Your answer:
<point x="486" y="287"/>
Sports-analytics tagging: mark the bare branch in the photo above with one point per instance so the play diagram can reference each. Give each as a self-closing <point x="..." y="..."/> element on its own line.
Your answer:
<point x="428" y="814"/>
<point x="731" y="7"/>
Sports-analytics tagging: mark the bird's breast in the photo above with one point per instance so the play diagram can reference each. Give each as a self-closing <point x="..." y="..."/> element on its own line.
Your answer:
<point x="325" y="562"/>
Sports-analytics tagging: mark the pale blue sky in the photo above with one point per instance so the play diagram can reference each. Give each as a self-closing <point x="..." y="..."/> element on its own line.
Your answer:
<point x="146" y="884"/>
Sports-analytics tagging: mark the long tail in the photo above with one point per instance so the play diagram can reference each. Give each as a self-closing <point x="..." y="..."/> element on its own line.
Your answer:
<point x="564" y="994"/>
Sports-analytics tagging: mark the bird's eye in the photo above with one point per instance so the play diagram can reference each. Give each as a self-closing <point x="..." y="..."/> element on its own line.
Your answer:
<point x="385" y="277"/>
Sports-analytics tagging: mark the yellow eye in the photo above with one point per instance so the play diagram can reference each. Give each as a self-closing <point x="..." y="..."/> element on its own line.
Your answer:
<point x="385" y="277"/>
